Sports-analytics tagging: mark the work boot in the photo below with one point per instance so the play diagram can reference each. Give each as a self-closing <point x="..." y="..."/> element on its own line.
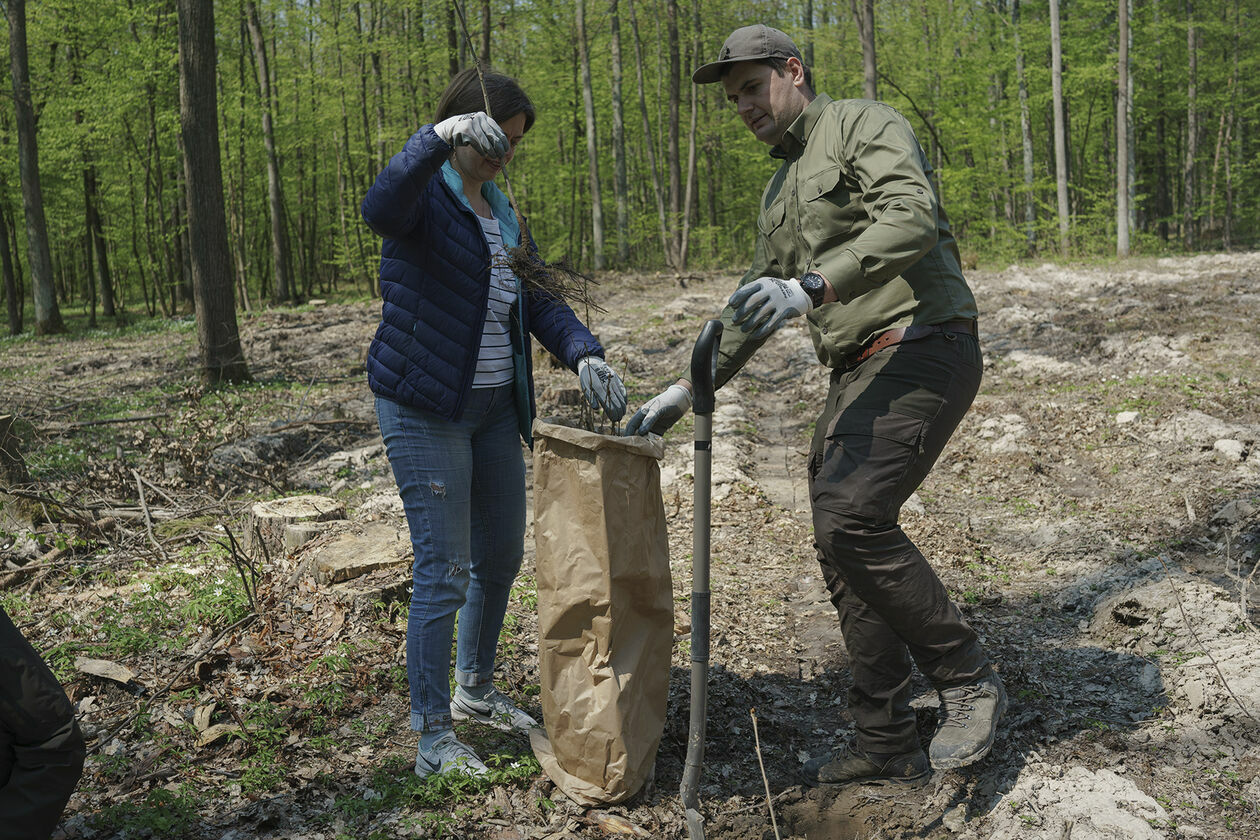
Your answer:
<point x="969" y="718"/>
<point x="495" y="709"/>
<point x="851" y="763"/>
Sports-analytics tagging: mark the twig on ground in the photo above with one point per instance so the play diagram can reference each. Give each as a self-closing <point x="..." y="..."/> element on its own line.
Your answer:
<point x="769" y="800"/>
<point x="243" y="564"/>
<point x="148" y="520"/>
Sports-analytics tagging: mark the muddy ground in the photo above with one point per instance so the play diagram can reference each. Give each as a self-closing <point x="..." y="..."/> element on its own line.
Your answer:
<point x="1095" y="517"/>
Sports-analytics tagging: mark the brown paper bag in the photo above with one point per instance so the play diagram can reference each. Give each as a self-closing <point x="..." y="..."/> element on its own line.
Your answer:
<point x="605" y="610"/>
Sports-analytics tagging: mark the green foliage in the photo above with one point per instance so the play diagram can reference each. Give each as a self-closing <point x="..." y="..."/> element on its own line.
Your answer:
<point x="161" y="814"/>
<point x="353" y="82"/>
<point x="434" y="800"/>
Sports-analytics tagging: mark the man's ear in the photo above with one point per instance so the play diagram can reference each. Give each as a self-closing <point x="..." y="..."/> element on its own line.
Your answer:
<point x="796" y="71"/>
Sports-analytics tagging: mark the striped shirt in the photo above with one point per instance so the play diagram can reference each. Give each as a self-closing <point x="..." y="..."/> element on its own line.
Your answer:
<point x="494" y="363"/>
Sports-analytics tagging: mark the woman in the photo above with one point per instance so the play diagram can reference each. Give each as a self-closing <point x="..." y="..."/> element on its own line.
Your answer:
<point x="450" y="368"/>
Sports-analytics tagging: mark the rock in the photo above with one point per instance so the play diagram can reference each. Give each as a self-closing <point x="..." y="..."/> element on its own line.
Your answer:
<point x="1233" y="450"/>
<point x="1234" y="512"/>
<point x="1126" y="417"/>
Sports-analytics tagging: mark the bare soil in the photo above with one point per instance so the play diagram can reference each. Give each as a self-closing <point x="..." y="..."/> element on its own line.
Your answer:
<point x="1096" y="517"/>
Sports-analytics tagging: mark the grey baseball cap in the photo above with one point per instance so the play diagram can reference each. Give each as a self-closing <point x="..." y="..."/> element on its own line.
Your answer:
<point x="747" y="44"/>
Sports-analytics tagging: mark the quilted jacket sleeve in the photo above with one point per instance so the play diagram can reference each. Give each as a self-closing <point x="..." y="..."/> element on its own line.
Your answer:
<point x="392" y="207"/>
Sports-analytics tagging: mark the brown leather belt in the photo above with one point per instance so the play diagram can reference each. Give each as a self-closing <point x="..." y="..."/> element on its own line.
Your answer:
<point x="915" y="331"/>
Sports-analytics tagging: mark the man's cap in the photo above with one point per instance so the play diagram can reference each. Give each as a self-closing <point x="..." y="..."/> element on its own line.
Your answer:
<point x="748" y="43"/>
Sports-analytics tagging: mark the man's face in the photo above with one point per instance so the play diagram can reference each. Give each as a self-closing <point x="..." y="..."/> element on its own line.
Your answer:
<point x="766" y="101"/>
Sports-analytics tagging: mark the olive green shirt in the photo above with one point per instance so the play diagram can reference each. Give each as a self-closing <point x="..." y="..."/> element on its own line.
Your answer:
<point x="854" y="201"/>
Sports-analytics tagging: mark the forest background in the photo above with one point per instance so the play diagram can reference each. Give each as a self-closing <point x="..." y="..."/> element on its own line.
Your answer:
<point x="629" y="165"/>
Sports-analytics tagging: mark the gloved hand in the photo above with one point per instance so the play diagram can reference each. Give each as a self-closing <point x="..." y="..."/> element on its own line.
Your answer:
<point x="476" y="130"/>
<point x="601" y="387"/>
<point x="661" y="412"/>
<point x="762" y="305"/>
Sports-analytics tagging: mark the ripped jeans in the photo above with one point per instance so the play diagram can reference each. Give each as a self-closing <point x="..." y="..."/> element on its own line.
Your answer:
<point x="463" y="487"/>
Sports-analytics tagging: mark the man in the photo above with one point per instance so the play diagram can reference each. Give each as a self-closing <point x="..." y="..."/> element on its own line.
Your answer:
<point x="41" y="748"/>
<point x="852" y="237"/>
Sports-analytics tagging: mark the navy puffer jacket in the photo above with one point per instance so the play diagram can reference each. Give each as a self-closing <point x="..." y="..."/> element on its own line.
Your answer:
<point x="435" y="279"/>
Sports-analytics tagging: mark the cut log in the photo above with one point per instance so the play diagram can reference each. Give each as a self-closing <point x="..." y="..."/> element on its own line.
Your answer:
<point x="269" y="521"/>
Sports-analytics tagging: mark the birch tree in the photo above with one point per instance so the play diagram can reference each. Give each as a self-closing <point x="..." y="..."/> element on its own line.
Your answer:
<point x="592" y="142"/>
<point x="1060" y="142"/>
<point x="1122" y="135"/>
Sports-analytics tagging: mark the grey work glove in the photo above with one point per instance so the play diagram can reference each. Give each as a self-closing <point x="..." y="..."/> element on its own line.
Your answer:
<point x="476" y="130"/>
<point x="762" y="305"/>
<point x="602" y="387"/>
<point x="661" y="412"/>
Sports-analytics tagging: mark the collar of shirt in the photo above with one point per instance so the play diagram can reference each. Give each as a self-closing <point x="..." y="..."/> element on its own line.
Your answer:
<point x="797" y="133"/>
<point x="499" y="204"/>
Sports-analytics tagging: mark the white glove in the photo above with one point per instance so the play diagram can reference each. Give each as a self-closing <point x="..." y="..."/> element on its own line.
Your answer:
<point x="661" y="412"/>
<point x="476" y="130"/>
<point x="601" y="387"/>
<point x="762" y="305"/>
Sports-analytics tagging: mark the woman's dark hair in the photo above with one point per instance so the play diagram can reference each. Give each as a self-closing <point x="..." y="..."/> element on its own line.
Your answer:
<point x="463" y="96"/>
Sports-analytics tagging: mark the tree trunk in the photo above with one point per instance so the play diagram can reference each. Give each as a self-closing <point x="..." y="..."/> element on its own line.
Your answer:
<point x="672" y="149"/>
<point x="485" y="32"/>
<point x="12" y="295"/>
<point x="452" y="39"/>
<point x="221" y="357"/>
<point x="592" y="145"/>
<point x="1060" y="141"/>
<point x="1163" y="192"/>
<point x="671" y="258"/>
<point x="807" y="21"/>
<point x="43" y="283"/>
<point x="864" y="16"/>
<point x="1189" y="236"/>
<point x="281" y="284"/>
<point x="1026" y="139"/>
<point x="1122" y="135"/>
<point x="92" y="204"/>
<point x="620" y="184"/>
<point x="689" y="191"/>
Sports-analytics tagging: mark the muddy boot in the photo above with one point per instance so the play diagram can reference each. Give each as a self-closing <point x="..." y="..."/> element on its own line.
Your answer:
<point x="969" y="718"/>
<point x="850" y="763"/>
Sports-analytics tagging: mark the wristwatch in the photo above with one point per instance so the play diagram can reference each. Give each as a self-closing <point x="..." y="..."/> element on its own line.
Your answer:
<point x="813" y="284"/>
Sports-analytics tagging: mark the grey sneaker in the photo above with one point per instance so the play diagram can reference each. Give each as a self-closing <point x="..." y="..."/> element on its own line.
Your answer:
<point x="449" y="755"/>
<point x="969" y="718"/>
<point x="494" y="709"/>
<point x="850" y="763"/>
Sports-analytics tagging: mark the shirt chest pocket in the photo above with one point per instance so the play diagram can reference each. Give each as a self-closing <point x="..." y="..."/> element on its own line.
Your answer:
<point x="830" y="204"/>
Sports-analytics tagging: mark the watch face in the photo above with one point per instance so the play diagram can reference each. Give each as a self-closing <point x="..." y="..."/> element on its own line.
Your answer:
<point x="814" y="286"/>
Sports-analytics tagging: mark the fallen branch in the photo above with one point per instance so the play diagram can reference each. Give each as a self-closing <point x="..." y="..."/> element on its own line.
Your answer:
<point x="148" y="520"/>
<point x="769" y="800"/>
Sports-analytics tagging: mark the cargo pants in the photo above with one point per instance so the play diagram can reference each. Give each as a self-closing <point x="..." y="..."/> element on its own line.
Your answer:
<point x="885" y="423"/>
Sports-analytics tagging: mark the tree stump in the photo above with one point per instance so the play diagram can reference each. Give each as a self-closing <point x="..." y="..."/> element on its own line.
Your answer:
<point x="13" y="474"/>
<point x="269" y="521"/>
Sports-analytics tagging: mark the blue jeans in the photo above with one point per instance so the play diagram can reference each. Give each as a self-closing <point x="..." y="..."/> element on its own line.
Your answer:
<point x="463" y="487"/>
